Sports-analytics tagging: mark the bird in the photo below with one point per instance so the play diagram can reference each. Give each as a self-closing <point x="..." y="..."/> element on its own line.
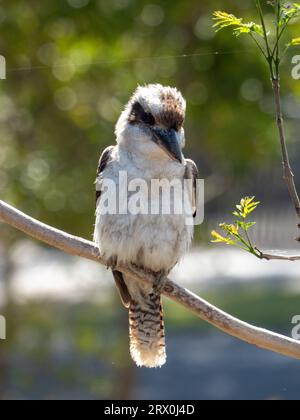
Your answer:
<point x="150" y="138"/>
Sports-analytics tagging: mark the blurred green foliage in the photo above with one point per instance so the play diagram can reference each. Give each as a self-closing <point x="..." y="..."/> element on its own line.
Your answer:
<point x="71" y="66"/>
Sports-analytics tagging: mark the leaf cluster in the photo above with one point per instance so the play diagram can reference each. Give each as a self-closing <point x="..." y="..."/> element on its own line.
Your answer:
<point x="237" y="233"/>
<point x="268" y="44"/>
<point x="225" y="20"/>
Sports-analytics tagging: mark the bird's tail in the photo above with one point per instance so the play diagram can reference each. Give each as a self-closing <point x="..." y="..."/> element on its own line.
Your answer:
<point x="147" y="336"/>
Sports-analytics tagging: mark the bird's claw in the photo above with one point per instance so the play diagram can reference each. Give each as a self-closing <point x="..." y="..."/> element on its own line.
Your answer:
<point x="160" y="281"/>
<point x="111" y="263"/>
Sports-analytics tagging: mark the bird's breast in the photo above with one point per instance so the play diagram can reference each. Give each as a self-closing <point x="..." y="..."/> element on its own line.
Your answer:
<point x="146" y="222"/>
<point x="153" y="241"/>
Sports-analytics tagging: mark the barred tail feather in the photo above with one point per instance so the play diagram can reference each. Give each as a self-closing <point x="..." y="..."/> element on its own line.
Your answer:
<point x="146" y="328"/>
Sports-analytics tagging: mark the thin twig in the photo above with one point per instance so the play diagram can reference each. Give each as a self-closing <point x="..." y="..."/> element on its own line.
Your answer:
<point x="276" y="50"/>
<point x="269" y="52"/>
<point x="287" y="170"/>
<point x="259" y="46"/>
<point x="270" y="257"/>
<point x="76" y="246"/>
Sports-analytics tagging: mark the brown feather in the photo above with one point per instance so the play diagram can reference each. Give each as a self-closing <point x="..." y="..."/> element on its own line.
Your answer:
<point x="122" y="288"/>
<point x="104" y="159"/>
<point x="191" y="172"/>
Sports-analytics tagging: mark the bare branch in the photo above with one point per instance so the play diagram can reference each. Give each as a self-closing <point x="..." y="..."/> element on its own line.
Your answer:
<point x="270" y="257"/>
<point x="287" y="170"/>
<point x="288" y="174"/>
<point x="76" y="246"/>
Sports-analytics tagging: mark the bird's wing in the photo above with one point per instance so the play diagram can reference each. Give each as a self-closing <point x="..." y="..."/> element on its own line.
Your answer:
<point x="122" y="288"/>
<point x="103" y="162"/>
<point x="192" y="172"/>
<point x="118" y="276"/>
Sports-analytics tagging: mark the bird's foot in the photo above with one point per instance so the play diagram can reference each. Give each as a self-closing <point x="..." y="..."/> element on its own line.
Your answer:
<point x="112" y="263"/>
<point x="160" y="281"/>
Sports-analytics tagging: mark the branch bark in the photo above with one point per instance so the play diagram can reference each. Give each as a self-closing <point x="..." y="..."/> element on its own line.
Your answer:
<point x="287" y="170"/>
<point x="82" y="248"/>
<point x="270" y="257"/>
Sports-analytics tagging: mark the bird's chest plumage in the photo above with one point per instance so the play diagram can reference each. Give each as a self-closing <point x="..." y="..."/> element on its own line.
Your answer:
<point x="146" y="233"/>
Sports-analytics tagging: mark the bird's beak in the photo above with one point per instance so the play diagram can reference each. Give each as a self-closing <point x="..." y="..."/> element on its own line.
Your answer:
<point x="169" y="141"/>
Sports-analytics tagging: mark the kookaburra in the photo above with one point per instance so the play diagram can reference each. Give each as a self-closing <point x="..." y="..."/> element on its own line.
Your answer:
<point x="150" y="138"/>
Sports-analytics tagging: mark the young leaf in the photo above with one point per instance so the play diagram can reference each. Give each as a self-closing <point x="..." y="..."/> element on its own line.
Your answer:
<point x="230" y="229"/>
<point x="247" y="206"/>
<point x="221" y="239"/>
<point x="288" y="12"/>
<point x="225" y="20"/>
<point x="250" y="225"/>
<point x="237" y="232"/>
<point x="294" y="42"/>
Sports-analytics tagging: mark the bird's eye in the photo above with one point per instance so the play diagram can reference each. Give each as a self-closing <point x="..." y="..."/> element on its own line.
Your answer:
<point x="148" y="118"/>
<point x="138" y="114"/>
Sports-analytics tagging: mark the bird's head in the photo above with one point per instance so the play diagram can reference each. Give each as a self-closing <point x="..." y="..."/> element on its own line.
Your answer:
<point x="152" y="122"/>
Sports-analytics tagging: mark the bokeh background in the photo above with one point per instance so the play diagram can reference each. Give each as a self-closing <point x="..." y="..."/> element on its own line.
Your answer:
<point x="71" y="66"/>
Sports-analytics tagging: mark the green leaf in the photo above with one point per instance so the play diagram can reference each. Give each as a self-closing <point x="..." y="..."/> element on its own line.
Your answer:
<point x="246" y="206"/>
<point x="225" y="20"/>
<point x="294" y="42"/>
<point x="250" y="225"/>
<point x="237" y="232"/>
<point x="221" y="239"/>
<point x="289" y="11"/>
<point x="230" y="229"/>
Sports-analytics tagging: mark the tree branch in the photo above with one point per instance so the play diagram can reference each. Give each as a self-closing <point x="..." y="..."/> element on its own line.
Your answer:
<point x="287" y="170"/>
<point x="270" y="257"/>
<point x="82" y="248"/>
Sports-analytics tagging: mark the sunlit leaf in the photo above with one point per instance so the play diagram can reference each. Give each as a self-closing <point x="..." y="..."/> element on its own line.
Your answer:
<point x="289" y="11"/>
<point x="250" y="225"/>
<point x="220" y="239"/>
<point x="246" y="206"/>
<point x="231" y="229"/>
<point x="225" y="20"/>
<point x="294" y="42"/>
<point x="237" y="232"/>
